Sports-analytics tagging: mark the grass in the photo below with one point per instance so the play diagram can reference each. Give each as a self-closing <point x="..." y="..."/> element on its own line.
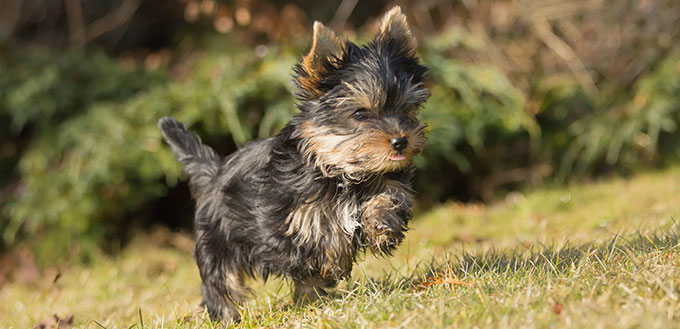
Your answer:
<point x="598" y="255"/>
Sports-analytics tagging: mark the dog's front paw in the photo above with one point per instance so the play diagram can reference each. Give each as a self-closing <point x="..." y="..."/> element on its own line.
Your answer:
<point x="385" y="220"/>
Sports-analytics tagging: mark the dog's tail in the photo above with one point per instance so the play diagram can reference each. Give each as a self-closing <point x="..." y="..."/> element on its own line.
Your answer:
<point x="200" y="162"/>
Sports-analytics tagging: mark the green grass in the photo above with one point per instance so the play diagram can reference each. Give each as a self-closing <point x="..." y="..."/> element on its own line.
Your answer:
<point x="598" y="255"/>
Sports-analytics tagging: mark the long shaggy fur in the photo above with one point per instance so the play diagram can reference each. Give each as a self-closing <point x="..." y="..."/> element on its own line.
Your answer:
<point x="333" y="182"/>
<point x="200" y="162"/>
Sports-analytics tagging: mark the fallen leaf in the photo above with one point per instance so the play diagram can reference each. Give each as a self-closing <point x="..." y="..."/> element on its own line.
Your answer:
<point x="55" y="322"/>
<point x="446" y="277"/>
<point x="557" y="308"/>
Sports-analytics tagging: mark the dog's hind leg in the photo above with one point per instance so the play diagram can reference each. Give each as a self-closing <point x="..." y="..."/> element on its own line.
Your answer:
<point x="310" y="290"/>
<point x="223" y="289"/>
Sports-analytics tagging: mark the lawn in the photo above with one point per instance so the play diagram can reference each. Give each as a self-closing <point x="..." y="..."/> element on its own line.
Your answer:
<point x="598" y="255"/>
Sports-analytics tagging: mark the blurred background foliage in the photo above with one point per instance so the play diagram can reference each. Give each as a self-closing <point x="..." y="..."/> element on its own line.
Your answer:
<point x="524" y="91"/>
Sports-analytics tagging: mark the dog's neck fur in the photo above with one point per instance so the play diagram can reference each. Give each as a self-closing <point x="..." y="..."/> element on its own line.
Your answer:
<point x="325" y="213"/>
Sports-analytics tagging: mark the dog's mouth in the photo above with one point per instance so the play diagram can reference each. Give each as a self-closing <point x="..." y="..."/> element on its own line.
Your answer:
<point x="397" y="157"/>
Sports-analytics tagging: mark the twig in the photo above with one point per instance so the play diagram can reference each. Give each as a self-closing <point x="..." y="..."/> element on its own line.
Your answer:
<point x="556" y="9"/>
<point x="540" y="12"/>
<point x="7" y="191"/>
<point x="562" y="49"/>
<point x="421" y="13"/>
<point x="447" y="277"/>
<point x="113" y="20"/>
<point x="446" y="10"/>
<point x="76" y="25"/>
<point x="342" y="14"/>
<point x="10" y="12"/>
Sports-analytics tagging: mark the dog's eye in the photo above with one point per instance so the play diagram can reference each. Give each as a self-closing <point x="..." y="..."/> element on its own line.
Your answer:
<point x="361" y="114"/>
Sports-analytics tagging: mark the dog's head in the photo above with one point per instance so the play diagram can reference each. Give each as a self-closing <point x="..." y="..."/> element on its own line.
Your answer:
<point x="358" y="103"/>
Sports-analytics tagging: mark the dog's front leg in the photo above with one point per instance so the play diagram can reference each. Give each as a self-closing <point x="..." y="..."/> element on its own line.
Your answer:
<point x="385" y="217"/>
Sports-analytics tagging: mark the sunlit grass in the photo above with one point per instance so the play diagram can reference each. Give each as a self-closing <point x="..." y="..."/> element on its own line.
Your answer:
<point x="600" y="255"/>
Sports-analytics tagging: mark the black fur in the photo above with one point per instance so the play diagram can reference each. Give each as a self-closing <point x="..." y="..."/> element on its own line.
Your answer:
<point x="274" y="208"/>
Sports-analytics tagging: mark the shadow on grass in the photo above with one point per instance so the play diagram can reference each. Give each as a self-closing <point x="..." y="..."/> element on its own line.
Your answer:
<point x="549" y="261"/>
<point x="464" y="268"/>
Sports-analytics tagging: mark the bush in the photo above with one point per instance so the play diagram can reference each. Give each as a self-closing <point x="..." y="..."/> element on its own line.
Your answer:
<point x="106" y="160"/>
<point x="81" y="152"/>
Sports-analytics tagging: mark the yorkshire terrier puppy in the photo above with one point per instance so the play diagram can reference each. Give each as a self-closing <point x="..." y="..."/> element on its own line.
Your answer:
<point x="333" y="182"/>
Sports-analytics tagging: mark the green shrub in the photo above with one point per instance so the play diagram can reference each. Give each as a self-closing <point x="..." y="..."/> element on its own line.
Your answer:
<point x="91" y="154"/>
<point x="82" y="175"/>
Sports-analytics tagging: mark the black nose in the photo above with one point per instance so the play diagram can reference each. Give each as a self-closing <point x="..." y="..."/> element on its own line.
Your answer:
<point x="399" y="144"/>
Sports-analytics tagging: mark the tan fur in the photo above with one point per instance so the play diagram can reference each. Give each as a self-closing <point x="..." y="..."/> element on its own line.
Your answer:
<point x="337" y="218"/>
<point x="310" y="221"/>
<point x="379" y="209"/>
<point x="353" y="155"/>
<point x="364" y="95"/>
<point x="236" y="281"/>
<point x="309" y="290"/>
<point x="237" y="293"/>
<point x="325" y="48"/>
<point x="394" y="26"/>
<point x="369" y="95"/>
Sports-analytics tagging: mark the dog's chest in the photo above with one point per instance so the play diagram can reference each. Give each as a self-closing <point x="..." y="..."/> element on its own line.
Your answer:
<point x="327" y="226"/>
<point x="320" y="220"/>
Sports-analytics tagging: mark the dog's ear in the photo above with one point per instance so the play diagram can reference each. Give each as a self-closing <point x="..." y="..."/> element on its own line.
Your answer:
<point x="325" y="54"/>
<point x="394" y="29"/>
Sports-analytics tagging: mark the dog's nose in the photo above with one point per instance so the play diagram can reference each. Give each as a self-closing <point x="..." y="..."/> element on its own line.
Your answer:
<point x="399" y="143"/>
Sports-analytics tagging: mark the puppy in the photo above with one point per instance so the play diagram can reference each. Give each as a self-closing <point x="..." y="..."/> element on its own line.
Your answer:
<point x="335" y="181"/>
